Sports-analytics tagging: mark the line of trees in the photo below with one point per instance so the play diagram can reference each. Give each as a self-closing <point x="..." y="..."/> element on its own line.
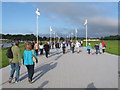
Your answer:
<point x="27" y="37"/>
<point x="32" y="37"/>
<point x="115" y="37"/>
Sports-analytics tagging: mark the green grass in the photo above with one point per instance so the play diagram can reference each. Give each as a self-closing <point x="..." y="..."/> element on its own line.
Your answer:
<point x="112" y="46"/>
<point x="4" y="60"/>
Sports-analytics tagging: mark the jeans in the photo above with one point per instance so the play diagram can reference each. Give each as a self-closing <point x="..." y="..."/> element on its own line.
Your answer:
<point x="97" y="50"/>
<point x="30" y="69"/>
<point x="15" y="67"/>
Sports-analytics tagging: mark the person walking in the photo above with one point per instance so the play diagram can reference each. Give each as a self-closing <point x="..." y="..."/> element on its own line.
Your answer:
<point x="28" y="55"/>
<point x="89" y="48"/>
<point x="100" y="48"/>
<point x="47" y="49"/>
<point x="36" y="48"/>
<point x="63" y="47"/>
<point x="103" y="46"/>
<point x="81" y="42"/>
<point x="15" y="62"/>
<point x="77" y="47"/>
<point x="41" y="48"/>
<point x="72" y="47"/>
<point x="96" y="48"/>
<point x="57" y="46"/>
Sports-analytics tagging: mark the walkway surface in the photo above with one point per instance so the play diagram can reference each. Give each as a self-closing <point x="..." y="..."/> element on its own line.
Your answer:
<point x="78" y="70"/>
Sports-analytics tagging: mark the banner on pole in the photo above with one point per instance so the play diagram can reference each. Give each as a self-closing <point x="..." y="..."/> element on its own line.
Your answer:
<point x="38" y="11"/>
<point x="85" y="22"/>
<point x="50" y="28"/>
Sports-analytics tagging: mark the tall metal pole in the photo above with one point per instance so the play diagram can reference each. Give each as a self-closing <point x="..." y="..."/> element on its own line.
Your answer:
<point x="50" y="36"/>
<point x="37" y="29"/>
<point x="54" y="39"/>
<point x="86" y="35"/>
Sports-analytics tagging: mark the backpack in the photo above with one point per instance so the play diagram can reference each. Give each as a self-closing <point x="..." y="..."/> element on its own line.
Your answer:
<point x="9" y="53"/>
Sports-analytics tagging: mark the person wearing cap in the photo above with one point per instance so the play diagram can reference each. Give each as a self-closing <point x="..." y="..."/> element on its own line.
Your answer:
<point x="15" y="62"/>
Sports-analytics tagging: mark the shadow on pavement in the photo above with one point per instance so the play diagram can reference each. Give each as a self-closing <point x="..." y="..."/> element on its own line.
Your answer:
<point x="58" y="57"/>
<point x="43" y="84"/>
<point x="91" y="86"/>
<point x="44" y="69"/>
<point x="54" y="53"/>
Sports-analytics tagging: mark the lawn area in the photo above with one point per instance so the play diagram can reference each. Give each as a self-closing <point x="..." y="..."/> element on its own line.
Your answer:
<point x="112" y="46"/>
<point x="4" y="60"/>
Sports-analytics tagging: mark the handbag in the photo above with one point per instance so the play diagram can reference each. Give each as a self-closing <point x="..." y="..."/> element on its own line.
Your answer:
<point x="33" y="57"/>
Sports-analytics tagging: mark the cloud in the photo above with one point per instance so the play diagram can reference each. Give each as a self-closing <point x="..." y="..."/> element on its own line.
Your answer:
<point x="74" y="14"/>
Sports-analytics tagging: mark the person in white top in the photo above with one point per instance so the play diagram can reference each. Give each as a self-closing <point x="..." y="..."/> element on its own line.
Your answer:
<point x="41" y="48"/>
<point x="77" y="46"/>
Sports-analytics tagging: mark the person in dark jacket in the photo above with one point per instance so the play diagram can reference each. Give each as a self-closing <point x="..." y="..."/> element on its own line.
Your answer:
<point x="47" y="48"/>
<point x="96" y="48"/>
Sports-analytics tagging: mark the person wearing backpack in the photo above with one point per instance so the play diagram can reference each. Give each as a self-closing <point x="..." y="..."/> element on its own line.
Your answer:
<point x="28" y="61"/>
<point x="15" y="62"/>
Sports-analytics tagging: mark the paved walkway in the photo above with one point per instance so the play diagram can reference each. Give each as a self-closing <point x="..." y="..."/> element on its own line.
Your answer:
<point x="77" y="70"/>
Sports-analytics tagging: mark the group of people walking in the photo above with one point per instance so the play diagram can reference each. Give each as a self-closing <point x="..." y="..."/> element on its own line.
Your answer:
<point x="99" y="48"/>
<point x="29" y="57"/>
<point x="18" y="60"/>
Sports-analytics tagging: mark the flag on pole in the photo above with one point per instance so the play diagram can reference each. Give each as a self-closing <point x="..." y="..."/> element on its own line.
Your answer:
<point x="38" y="11"/>
<point x="50" y="28"/>
<point x="85" y="22"/>
<point x="76" y="30"/>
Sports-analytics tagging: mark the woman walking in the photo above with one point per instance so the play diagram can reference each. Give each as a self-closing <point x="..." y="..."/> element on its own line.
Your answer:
<point x="28" y="61"/>
<point x="77" y="47"/>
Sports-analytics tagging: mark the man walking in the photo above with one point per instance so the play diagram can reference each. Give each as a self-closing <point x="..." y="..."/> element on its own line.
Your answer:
<point x="15" y="62"/>
<point x="46" y="48"/>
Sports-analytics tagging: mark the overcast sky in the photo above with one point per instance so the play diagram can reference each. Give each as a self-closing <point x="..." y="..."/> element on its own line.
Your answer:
<point x="64" y="17"/>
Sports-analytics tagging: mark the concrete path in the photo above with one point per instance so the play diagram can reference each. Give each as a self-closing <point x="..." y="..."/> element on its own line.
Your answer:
<point x="78" y="70"/>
